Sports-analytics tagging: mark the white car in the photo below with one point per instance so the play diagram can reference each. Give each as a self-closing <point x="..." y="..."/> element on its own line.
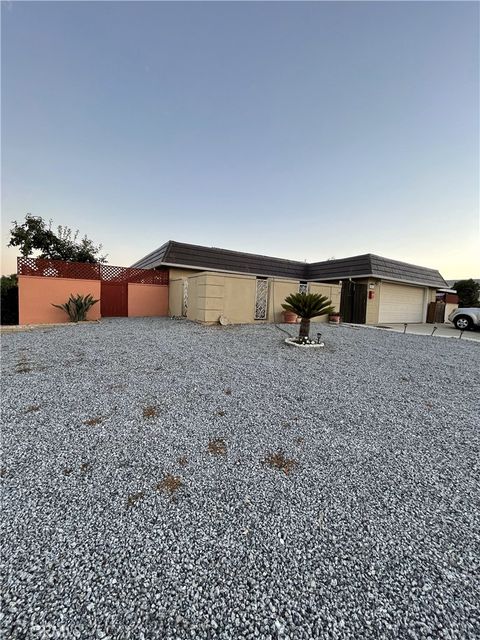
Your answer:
<point x="465" y="318"/>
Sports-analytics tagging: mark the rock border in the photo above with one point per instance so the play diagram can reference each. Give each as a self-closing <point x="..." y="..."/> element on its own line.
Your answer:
<point x="292" y="343"/>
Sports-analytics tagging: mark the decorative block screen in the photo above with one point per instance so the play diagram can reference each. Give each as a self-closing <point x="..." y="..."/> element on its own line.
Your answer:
<point x="89" y="271"/>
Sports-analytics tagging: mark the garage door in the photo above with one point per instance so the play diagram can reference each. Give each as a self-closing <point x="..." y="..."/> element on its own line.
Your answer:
<point x="400" y="303"/>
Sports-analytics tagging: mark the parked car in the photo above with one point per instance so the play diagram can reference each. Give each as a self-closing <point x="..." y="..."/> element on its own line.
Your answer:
<point x="467" y="318"/>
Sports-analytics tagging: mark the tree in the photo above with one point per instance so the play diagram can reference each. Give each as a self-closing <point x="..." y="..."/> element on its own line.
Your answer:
<point x="9" y="300"/>
<point x="468" y="292"/>
<point x="34" y="235"/>
<point x="307" y="306"/>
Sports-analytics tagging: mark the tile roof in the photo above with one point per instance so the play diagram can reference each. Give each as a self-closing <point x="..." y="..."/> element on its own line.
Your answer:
<point x="211" y="258"/>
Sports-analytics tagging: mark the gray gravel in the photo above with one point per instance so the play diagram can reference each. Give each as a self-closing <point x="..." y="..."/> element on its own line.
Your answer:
<point x="374" y="532"/>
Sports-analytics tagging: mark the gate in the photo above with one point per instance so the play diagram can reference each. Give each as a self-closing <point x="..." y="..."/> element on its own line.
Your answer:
<point x="261" y="299"/>
<point x="114" y="299"/>
<point x="353" y="302"/>
<point x="436" y="312"/>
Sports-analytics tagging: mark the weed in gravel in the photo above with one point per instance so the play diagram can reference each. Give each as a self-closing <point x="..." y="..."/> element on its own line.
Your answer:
<point x="91" y="422"/>
<point x="31" y="408"/>
<point x="4" y="473"/>
<point x="133" y="498"/>
<point x="84" y="467"/>
<point x="183" y="461"/>
<point x="217" y="447"/>
<point x="220" y="412"/>
<point x="23" y="367"/>
<point x="170" y="484"/>
<point x="228" y="391"/>
<point x="150" y="412"/>
<point x="280" y="462"/>
<point x="299" y="440"/>
<point x="67" y="471"/>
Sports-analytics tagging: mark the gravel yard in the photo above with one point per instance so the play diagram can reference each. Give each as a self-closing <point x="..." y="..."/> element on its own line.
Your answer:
<point x="166" y="480"/>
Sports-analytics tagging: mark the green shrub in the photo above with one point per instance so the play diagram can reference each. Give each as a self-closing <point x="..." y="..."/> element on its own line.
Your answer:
<point x="9" y="300"/>
<point x="77" y="306"/>
<point x="307" y="306"/>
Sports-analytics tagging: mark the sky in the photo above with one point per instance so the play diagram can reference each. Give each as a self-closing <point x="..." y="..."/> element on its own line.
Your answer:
<point x="300" y="130"/>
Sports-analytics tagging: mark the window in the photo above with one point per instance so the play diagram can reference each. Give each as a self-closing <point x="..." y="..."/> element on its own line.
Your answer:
<point x="303" y="287"/>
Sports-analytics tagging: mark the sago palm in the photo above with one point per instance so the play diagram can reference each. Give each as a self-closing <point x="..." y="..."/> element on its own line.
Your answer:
<point x="307" y="306"/>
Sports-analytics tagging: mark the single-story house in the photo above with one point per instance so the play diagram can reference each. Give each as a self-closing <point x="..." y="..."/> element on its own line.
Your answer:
<point x="207" y="283"/>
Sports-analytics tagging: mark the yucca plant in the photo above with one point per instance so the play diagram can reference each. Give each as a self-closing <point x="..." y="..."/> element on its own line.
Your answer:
<point x="307" y="306"/>
<point x="77" y="306"/>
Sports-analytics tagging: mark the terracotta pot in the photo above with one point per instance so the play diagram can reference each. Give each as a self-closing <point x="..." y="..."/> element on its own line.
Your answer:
<point x="334" y="318"/>
<point x="289" y="317"/>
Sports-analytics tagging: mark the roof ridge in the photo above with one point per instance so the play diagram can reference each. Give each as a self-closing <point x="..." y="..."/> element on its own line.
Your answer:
<point x="234" y="251"/>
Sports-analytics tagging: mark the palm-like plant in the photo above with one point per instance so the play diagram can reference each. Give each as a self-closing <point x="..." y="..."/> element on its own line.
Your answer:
<point x="77" y="306"/>
<point x="307" y="306"/>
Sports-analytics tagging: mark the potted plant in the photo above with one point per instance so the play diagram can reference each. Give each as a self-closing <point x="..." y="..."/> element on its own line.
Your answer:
<point x="290" y="317"/>
<point x="307" y="306"/>
<point x="334" y="317"/>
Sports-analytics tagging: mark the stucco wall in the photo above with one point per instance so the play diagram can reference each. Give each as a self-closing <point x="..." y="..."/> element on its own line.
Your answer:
<point x="278" y="290"/>
<point x="175" y="297"/>
<point x="239" y="298"/>
<point x="332" y="291"/>
<point x="213" y="294"/>
<point x="373" y="304"/>
<point x="147" y="300"/>
<point x="175" y="274"/>
<point x="36" y="295"/>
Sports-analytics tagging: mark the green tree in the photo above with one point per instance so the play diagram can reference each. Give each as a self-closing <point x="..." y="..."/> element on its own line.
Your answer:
<point x="307" y="306"/>
<point x="35" y="235"/>
<point x="468" y="292"/>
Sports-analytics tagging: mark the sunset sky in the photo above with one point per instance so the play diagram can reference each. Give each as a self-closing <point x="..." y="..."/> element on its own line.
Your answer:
<point x="301" y="130"/>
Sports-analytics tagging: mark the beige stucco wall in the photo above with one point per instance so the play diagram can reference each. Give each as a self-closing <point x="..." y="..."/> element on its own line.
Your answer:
<point x="175" y="297"/>
<point x="332" y="291"/>
<point x="373" y="304"/>
<point x="175" y="274"/>
<point x="239" y="298"/>
<point x="215" y="294"/>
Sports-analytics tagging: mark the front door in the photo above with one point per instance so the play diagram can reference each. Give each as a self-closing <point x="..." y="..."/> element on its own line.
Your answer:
<point x="114" y="299"/>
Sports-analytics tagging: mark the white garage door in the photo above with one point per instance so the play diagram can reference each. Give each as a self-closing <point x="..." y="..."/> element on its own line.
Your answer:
<point x="400" y="303"/>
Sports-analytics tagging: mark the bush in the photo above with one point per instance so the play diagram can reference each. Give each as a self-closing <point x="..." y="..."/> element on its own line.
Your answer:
<point x="9" y="300"/>
<point x="468" y="292"/>
<point x="77" y="306"/>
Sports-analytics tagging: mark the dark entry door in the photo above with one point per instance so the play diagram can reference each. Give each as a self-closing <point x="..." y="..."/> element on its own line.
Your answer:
<point x="114" y="299"/>
<point x="353" y="302"/>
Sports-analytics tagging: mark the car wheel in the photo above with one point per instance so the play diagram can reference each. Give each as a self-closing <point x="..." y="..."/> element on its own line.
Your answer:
<point x="463" y="322"/>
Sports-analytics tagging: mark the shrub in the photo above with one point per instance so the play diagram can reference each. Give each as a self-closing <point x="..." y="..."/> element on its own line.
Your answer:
<point x="9" y="300"/>
<point x="77" y="306"/>
<point x="307" y="306"/>
<point x="468" y="292"/>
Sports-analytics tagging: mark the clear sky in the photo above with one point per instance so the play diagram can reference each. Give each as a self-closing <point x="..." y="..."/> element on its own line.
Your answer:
<point x="302" y="130"/>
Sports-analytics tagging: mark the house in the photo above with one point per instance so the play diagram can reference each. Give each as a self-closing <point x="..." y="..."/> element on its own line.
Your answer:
<point x="207" y="283"/>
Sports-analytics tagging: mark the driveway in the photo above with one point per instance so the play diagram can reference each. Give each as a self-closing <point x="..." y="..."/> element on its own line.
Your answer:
<point x="164" y="480"/>
<point x="446" y="330"/>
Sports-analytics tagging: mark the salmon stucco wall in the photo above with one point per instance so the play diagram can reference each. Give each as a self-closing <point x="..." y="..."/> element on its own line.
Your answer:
<point x="147" y="300"/>
<point x="37" y="294"/>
